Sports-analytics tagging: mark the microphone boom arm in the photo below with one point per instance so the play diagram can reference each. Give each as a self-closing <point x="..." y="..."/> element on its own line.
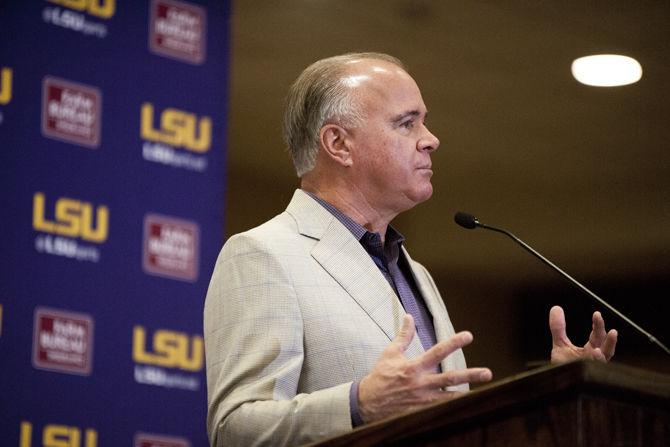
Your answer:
<point x="604" y="303"/>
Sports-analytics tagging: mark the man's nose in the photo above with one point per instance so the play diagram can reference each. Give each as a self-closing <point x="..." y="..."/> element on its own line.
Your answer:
<point x="428" y="141"/>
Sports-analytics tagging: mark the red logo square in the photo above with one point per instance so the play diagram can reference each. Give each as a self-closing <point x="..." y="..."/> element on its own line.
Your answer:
<point x="63" y="341"/>
<point x="71" y="112"/>
<point x="171" y="247"/>
<point x="147" y="440"/>
<point x="178" y="30"/>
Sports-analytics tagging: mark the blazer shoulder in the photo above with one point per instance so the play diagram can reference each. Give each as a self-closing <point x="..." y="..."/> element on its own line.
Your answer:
<point x="282" y="225"/>
<point x="302" y="223"/>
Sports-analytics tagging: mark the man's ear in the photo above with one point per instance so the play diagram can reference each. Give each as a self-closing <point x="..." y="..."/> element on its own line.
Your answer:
<point x="334" y="141"/>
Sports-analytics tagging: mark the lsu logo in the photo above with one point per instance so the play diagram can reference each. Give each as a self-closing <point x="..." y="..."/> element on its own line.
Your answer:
<point x="177" y="128"/>
<point x="99" y="8"/>
<point x="54" y="435"/>
<point x="170" y="349"/>
<point x="5" y="85"/>
<point x="72" y="218"/>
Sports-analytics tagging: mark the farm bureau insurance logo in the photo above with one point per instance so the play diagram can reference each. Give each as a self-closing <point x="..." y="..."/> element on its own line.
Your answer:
<point x="63" y="341"/>
<point x="71" y="17"/>
<point x="169" y="351"/>
<point x="177" y="130"/>
<point x="73" y="219"/>
<point x="153" y="440"/>
<point x="71" y="112"/>
<point x="171" y="247"/>
<point x="178" y="30"/>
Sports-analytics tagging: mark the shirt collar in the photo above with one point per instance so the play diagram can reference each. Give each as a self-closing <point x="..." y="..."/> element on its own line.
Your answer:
<point x="392" y="235"/>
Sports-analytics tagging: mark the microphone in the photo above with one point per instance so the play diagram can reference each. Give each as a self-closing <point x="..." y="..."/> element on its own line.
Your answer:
<point x="470" y="222"/>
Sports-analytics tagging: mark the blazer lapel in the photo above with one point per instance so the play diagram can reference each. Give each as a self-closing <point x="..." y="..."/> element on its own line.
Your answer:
<point x="434" y="304"/>
<point x="345" y="259"/>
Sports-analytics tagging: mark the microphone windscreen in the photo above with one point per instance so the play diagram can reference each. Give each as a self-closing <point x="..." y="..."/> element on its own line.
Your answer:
<point x="465" y="220"/>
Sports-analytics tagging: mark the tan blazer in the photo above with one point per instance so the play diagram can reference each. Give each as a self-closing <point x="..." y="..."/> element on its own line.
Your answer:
<point x="295" y="312"/>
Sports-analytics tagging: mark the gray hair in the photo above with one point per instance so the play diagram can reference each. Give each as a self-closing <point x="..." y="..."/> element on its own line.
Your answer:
<point x="316" y="97"/>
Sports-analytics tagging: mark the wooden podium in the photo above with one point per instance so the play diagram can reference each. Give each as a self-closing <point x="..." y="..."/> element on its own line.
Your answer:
<point x="575" y="404"/>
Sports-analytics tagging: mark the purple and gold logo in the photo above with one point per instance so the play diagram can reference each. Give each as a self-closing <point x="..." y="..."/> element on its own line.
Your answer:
<point x="178" y="30"/>
<point x="54" y="435"/>
<point x="171" y="247"/>
<point x="5" y="85"/>
<point x="175" y="137"/>
<point x="63" y="341"/>
<point x="72" y="218"/>
<point x="73" y="221"/>
<point x="168" y="358"/>
<point x="71" y="112"/>
<point x="178" y="128"/>
<point x="98" y="8"/>
<point x="74" y="15"/>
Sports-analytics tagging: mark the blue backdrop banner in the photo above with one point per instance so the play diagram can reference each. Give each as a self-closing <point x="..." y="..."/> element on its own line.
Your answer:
<point x="112" y="152"/>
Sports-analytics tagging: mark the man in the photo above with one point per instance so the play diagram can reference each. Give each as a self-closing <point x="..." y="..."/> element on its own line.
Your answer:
<point x="318" y="320"/>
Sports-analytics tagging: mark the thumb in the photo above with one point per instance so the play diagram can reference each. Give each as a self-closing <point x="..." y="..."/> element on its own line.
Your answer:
<point x="557" y="327"/>
<point x="406" y="332"/>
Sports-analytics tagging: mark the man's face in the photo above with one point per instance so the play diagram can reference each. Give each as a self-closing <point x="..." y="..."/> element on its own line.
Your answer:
<point x="392" y="146"/>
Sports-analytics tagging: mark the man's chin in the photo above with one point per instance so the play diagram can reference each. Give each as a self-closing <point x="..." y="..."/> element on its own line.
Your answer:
<point x="425" y="194"/>
<point x="421" y="196"/>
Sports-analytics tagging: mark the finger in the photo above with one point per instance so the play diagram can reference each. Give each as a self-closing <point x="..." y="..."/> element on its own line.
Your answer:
<point x="557" y="327"/>
<point x="598" y="333"/>
<point x="459" y="376"/>
<point x="433" y="356"/>
<point x="598" y="355"/>
<point x="609" y="345"/>
<point x="406" y="332"/>
<point x="440" y="394"/>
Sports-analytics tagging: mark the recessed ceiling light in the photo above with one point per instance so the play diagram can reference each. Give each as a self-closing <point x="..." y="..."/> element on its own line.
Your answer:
<point x="606" y="70"/>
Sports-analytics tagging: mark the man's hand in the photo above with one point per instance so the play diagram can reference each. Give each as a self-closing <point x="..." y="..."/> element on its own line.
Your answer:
<point x="397" y="384"/>
<point x="600" y="346"/>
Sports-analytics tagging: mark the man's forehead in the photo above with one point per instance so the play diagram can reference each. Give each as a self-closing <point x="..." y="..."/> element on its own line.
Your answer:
<point x="383" y="86"/>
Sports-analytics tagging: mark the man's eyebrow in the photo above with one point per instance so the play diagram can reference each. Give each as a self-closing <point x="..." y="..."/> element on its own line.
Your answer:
<point x="400" y="117"/>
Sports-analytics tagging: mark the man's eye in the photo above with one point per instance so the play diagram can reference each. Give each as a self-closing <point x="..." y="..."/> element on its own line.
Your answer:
<point x="407" y="124"/>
